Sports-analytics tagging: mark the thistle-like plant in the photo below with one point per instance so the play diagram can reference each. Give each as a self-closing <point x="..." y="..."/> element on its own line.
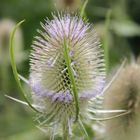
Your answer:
<point x="124" y="93"/>
<point x="67" y="74"/>
<point x="67" y="69"/>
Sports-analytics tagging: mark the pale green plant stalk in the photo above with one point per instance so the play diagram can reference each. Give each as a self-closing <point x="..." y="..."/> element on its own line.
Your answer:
<point x="65" y="130"/>
<point x="105" y="40"/>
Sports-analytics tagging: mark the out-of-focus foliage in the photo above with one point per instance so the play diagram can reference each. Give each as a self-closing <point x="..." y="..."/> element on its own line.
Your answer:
<point x="123" y="37"/>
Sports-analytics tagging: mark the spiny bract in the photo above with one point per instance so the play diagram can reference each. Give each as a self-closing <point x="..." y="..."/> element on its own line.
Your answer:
<point x="49" y="76"/>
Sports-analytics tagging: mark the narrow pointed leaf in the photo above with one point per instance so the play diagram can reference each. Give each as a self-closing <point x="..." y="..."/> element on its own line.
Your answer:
<point x="14" y="68"/>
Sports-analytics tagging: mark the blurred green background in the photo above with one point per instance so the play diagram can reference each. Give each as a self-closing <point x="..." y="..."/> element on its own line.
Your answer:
<point x="122" y="37"/>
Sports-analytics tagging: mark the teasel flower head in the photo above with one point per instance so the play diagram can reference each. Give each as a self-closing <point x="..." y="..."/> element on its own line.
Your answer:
<point x="6" y="27"/>
<point x="124" y="93"/>
<point x="66" y="59"/>
<point x="67" y="5"/>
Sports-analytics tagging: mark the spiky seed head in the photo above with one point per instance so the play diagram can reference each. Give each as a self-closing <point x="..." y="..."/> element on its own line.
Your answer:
<point x="49" y="76"/>
<point x="70" y="5"/>
<point x="124" y="93"/>
<point x="6" y="27"/>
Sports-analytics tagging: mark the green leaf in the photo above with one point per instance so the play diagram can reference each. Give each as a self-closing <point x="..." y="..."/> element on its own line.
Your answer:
<point x="82" y="12"/>
<point x="14" y="68"/>
<point x="72" y="79"/>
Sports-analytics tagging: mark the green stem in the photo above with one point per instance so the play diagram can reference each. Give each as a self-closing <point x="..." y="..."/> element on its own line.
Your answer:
<point x="65" y="131"/>
<point x="72" y="79"/>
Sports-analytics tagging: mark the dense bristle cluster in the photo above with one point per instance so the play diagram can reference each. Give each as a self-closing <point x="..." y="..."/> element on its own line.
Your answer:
<point x="48" y="63"/>
<point x="50" y="78"/>
<point x="124" y="93"/>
